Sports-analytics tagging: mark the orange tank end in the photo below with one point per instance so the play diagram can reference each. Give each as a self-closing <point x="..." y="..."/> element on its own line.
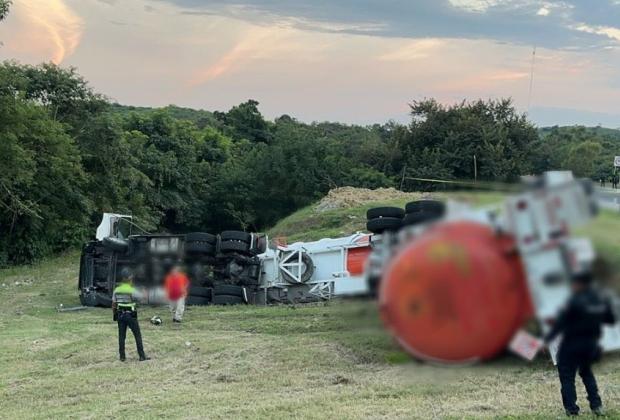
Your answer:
<point x="456" y="294"/>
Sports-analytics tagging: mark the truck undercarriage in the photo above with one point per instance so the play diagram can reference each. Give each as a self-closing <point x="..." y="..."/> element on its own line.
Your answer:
<point x="222" y="269"/>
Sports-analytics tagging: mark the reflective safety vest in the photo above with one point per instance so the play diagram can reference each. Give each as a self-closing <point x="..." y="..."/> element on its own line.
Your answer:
<point x="123" y="296"/>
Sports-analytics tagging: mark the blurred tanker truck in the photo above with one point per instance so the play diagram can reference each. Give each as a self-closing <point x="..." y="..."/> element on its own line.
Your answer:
<point x="455" y="284"/>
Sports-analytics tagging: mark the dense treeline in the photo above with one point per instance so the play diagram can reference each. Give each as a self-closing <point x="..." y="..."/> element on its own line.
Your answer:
<point x="67" y="155"/>
<point x="587" y="151"/>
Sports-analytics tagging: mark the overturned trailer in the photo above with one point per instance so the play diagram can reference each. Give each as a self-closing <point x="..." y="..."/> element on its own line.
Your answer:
<point x="230" y="268"/>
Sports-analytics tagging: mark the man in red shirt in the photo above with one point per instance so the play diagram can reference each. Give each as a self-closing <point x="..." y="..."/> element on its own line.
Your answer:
<point x="176" y="285"/>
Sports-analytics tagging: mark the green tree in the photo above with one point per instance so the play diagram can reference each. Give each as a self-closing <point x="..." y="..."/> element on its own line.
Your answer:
<point x="4" y="8"/>
<point x="451" y="136"/>
<point x="179" y="160"/>
<point x="111" y="158"/>
<point x="42" y="205"/>
<point x="559" y="148"/>
<point x="581" y="158"/>
<point x="244" y="121"/>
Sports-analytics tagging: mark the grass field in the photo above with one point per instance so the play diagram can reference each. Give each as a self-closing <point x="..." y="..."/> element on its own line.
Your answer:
<point x="315" y="361"/>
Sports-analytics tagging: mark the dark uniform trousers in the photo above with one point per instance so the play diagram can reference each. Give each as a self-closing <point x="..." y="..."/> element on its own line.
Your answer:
<point x="577" y="356"/>
<point x="127" y="319"/>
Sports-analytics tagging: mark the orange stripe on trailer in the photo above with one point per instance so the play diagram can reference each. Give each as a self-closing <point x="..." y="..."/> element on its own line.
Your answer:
<point x="356" y="260"/>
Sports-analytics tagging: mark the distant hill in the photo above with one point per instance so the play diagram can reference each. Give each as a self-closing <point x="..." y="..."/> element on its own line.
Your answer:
<point x="609" y="133"/>
<point x="204" y="118"/>
<point x="200" y="117"/>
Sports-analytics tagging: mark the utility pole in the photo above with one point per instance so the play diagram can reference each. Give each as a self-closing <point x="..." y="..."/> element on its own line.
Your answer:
<point x="475" y="170"/>
<point x="529" y="95"/>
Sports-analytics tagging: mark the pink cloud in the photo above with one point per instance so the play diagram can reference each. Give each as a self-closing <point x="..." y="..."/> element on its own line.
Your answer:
<point x="258" y="41"/>
<point x="46" y="26"/>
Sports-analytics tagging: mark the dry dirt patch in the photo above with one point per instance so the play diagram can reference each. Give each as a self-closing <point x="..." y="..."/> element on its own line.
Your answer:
<point x="346" y="197"/>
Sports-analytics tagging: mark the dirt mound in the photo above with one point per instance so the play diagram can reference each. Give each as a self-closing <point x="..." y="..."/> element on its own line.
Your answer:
<point x="346" y="197"/>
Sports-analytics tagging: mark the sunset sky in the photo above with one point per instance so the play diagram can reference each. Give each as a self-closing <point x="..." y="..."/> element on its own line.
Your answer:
<point x="356" y="61"/>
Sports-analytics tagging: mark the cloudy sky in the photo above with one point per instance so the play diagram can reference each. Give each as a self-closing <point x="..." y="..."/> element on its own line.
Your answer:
<point x="358" y="61"/>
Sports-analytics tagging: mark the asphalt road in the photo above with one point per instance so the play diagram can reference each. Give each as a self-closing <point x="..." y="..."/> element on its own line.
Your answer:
<point x="608" y="198"/>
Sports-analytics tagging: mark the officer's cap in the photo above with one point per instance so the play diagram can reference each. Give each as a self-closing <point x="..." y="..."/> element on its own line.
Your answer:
<point x="126" y="274"/>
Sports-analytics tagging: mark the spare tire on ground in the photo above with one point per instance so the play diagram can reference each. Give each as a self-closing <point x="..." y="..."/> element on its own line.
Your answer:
<point x="234" y="246"/>
<point x="379" y="212"/>
<point x="431" y="206"/>
<point x="381" y="224"/>
<point x="227" y="300"/>
<point x="228" y="289"/>
<point x="201" y="237"/>
<point x="235" y="235"/>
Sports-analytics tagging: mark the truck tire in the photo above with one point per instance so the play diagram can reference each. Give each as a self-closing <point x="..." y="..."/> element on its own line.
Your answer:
<point x="115" y="244"/>
<point x="413" y="219"/>
<point x="260" y="245"/>
<point x="235" y="235"/>
<point x="198" y="291"/>
<point x="197" y="301"/>
<point x="228" y="289"/>
<point x="373" y="286"/>
<point x="379" y="212"/>
<point x="234" y="246"/>
<point x="86" y="299"/>
<point x="382" y="224"/>
<point x="227" y="300"/>
<point x="201" y="237"/>
<point x="431" y="206"/>
<point x="200" y="248"/>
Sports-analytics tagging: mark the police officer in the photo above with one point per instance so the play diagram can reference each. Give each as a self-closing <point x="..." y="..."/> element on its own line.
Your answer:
<point x="124" y="310"/>
<point x="580" y="323"/>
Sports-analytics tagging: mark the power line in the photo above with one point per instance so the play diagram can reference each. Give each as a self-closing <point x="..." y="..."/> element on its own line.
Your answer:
<point x="481" y="185"/>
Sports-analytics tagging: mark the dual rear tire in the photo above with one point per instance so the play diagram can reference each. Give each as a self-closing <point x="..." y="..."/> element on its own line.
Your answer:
<point x="422" y="211"/>
<point x="222" y="294"/>
<point x="228" y="294"/>
<point x="382" y="219"/>
<point x="235" y="241"/>
<point x="200" y="243"/>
